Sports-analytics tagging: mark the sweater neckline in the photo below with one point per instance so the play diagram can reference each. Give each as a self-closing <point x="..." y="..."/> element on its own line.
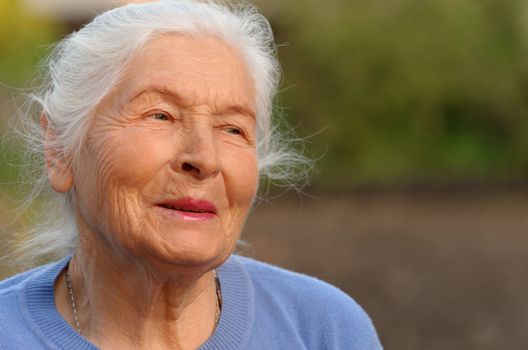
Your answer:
<point x="232" y="331"/>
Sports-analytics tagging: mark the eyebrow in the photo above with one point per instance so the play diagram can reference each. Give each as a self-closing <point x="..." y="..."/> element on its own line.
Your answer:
<point x="162" y="91"/>
<point x="241" y="110"/>
<point x="237" y="109"/>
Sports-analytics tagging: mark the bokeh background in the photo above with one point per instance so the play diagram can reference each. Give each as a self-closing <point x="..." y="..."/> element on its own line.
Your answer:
<point x="417" y="114"/>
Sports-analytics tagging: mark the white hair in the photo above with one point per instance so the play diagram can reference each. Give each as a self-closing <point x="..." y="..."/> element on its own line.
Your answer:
<point x="85" y="66"/>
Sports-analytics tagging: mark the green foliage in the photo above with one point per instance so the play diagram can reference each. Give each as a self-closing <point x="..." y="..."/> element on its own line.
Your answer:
<point x="409" y="91"/>
<point x="23" y="41"/>
<point x="10" y="164"/>
<point x="404" y="91"/>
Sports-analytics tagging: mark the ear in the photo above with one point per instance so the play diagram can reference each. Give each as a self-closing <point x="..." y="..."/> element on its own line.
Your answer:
<point x="59" y="174"/>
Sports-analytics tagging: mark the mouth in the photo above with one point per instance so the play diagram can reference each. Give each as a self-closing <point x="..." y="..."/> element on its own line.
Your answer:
<point x="187" y="210"/>
<point x="190" y="208"/>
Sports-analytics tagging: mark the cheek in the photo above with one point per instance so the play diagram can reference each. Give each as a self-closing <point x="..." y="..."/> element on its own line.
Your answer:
<point x="131" y="159"/>
<point x="114" y="168"/>
<point x="242" y="173"/>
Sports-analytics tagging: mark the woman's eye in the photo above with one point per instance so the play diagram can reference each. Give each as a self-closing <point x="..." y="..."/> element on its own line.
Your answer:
<point x="234" y="131"/>
<point x="160" y="116"/>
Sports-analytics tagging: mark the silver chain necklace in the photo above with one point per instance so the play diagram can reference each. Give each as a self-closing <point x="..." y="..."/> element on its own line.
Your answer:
<point x="72" y="300"/>
<point x="76" y="314"/>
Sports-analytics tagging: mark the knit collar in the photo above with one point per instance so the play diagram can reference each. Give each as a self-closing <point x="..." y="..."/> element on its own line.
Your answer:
<point x="232" y="331"/>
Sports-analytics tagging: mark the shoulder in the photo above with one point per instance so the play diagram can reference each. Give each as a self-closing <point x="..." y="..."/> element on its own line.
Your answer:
<point x="12" y="289"/>
<point x="323" y="313"/>
<point x="14" y="282"/>
<point x="17" y="281"/>
<point x="302" y="288"/>
<point x="23" y="296"/>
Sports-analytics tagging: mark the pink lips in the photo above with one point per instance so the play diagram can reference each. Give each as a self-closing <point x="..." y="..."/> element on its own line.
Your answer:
<point x="190" y="209"/>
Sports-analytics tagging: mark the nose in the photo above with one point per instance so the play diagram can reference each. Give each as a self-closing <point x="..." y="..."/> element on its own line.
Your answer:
<point x="200" y="156"/>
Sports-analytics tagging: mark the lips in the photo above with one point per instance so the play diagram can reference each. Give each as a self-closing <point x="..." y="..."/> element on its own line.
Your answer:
<point x="189" y="207"/>
<point x="182" y="208"/>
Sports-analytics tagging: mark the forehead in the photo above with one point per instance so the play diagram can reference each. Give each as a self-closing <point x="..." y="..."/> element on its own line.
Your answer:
<point x="199" y="69"/>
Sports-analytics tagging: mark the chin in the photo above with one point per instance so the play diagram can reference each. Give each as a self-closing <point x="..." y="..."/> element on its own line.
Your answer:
<point x="190" y="254"/>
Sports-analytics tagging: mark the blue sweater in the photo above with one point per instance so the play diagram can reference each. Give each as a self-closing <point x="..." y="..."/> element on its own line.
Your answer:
<point x="264" y="307"/>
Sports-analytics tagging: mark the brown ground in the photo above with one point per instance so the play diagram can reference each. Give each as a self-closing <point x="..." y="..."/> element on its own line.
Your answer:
<point x="434" y="270"/>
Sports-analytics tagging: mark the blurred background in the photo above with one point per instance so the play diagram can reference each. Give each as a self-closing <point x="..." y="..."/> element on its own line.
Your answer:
<point x="417" y="112"/>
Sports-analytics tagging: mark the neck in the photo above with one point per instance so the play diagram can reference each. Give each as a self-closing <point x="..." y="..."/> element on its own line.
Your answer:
<point x="122" y="303"/>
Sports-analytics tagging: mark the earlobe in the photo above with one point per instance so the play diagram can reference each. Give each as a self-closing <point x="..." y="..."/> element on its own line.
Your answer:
<point x="60" y="177"/>
<point x="59" y="173"/>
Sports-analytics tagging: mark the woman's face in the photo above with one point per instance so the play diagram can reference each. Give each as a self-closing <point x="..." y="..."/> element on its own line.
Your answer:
<point x="169" y="168"/>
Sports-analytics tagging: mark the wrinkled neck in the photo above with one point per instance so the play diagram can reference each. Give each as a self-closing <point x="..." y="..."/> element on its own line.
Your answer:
<point x="125" y="303"/>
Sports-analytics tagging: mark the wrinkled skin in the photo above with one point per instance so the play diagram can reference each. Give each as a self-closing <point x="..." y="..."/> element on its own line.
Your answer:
<point x="180" y="124"/>
<point x="134" y="159"/>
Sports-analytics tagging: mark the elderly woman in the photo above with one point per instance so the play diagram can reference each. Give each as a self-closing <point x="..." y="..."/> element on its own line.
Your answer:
<point x="155" y="129"/>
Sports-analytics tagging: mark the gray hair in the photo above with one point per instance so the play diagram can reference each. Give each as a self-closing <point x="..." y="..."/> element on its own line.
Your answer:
<point x="86" y="65"/>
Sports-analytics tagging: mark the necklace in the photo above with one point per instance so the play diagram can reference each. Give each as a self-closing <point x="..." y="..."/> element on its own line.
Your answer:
<point x="218" y="298"/>
<point x="76" y="314"/>
<point x="72" y="300"/>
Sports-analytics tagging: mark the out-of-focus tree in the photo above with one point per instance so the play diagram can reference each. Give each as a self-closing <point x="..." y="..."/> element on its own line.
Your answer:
<point x="410" y="91"/>
<point x="23" y="40"/>
<point x="404" y="91"/>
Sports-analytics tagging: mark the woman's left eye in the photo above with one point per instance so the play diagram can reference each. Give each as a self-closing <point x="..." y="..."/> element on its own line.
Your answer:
<point x="161" y="116"/>
<point x="234" y="131"/>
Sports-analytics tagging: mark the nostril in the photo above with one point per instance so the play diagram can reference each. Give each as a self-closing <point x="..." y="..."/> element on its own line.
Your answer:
<point x="188" y="167"/>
